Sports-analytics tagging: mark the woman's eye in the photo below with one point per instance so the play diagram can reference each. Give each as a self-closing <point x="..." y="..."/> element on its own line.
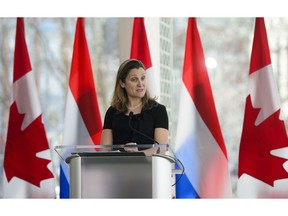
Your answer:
<point x="134" y="79"/>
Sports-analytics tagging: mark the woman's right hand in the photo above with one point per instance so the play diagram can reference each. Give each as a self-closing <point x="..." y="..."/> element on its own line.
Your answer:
<point x="131" y="147"/>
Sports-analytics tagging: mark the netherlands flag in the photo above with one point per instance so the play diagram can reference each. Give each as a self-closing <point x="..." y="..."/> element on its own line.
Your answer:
<point x="83" y="125"/>
<point x="140" y="50"/>
<point x="199" y="142"/>
<point x="263" y="151"/>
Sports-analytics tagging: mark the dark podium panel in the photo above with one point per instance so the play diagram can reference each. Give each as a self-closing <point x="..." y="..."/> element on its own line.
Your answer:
<point x="119" y="175"/>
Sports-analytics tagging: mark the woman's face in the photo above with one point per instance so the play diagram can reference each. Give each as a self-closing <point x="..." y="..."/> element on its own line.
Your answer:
<point x="135" y="83"/>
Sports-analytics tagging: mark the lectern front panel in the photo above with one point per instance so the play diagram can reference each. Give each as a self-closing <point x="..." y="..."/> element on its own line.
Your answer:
<point x="116" y="177"/>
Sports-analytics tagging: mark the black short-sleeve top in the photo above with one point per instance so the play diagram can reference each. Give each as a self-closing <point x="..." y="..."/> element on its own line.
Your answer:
<point x="145" y="122"/>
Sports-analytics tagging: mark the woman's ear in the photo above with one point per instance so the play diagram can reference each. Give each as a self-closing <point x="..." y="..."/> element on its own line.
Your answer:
<point x="122" y="84"/>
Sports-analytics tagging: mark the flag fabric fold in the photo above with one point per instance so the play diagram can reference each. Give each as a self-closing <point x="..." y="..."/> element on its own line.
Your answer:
<point x="199" y="142"/>
<point x="140" y="50"/>
<point x="261" y="171"/>
<point x="83" y="125"/>
<point x="27" y="158"/>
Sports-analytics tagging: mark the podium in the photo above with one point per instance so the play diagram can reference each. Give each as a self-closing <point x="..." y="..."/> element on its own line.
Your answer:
<point x="98" y="173"/>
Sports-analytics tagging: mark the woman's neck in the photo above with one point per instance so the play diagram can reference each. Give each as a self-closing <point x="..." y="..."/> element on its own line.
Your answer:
<point x="135" y="107"/>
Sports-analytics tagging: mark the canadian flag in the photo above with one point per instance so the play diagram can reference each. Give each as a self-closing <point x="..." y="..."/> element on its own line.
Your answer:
<point x="27" y="159"/>
<point x="263" y="154"/>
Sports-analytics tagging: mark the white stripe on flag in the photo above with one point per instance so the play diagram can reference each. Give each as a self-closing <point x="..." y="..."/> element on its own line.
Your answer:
<point x="264" y="92"/>
<point x="27" y="99"/>
<point x="75" y="131"/>
<point x="152" y="88"/>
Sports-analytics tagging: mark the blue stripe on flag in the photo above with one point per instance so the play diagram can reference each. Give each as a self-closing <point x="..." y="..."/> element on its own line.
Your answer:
<point x="185" y="188"/>
<point x="187" y="154"/>
<point x="64" y="185"/>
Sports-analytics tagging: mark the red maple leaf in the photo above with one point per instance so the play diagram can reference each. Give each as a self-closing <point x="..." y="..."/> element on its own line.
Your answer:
<point x="21" y="148"/>
<point x="255" y="156"/>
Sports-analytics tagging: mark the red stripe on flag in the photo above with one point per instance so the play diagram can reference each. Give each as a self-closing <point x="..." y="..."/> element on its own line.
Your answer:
<point x="260" y="56"/>
<point x="21" y="58"/>
<point x="196" y="80"/>
<point x="82" y="84"/>
<point x="140" y="48"/>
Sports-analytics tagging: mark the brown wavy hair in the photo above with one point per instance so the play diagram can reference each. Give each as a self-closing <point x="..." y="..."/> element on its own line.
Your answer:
<point x="120" y="97"/>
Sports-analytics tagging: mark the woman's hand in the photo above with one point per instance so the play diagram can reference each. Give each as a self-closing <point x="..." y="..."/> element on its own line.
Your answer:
<point x="131" y="147"/>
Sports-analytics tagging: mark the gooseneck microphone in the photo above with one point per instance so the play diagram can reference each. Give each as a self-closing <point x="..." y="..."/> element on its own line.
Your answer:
<point x="139" y="132"/>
